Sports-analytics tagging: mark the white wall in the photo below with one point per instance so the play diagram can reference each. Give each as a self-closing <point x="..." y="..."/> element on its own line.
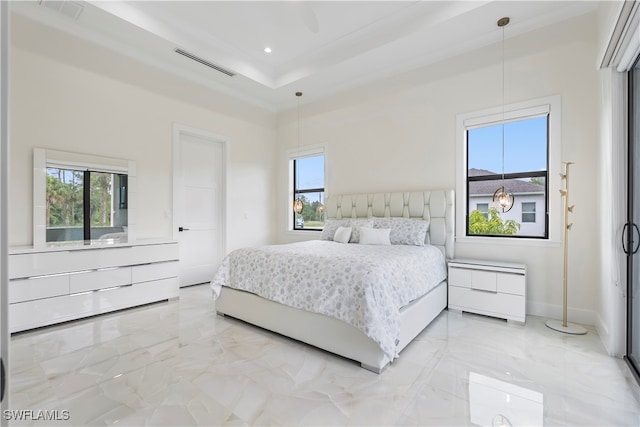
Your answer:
<point x="69" y="95"/>
<point x="399" y="134"/>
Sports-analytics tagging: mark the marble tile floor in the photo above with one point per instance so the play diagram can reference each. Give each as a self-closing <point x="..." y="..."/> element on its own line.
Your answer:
<point x="178" y="364"/>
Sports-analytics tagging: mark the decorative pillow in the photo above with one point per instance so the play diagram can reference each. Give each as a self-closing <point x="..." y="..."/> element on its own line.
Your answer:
<point x="404" y="231"/>
<point x="331" y="226"/>
<point x="358" y="225"/>
<point x="342" y="235"/>
<point x="375" y="236"/>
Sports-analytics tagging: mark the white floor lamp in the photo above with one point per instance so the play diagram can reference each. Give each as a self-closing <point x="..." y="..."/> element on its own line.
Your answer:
<point x="564" y="326"/>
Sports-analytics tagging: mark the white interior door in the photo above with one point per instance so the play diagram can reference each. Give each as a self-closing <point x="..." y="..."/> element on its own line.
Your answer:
<point x="199" y="203"/>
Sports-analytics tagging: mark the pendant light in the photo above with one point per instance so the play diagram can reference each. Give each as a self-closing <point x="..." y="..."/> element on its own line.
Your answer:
<point x="297" y="203"/>
<point x="502" y="200"/>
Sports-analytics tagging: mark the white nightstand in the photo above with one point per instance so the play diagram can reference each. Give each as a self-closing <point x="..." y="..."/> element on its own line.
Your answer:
<point x="491" y="288"/>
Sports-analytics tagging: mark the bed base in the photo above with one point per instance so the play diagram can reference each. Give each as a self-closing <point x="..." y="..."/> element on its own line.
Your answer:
<point x="327" y="333"/>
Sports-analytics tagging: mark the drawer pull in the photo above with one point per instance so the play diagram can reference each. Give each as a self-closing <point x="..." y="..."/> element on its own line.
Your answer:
<point x="484" y="290"/>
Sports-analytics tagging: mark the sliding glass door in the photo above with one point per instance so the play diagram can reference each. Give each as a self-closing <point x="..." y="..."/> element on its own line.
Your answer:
<point x="631" y="235"/>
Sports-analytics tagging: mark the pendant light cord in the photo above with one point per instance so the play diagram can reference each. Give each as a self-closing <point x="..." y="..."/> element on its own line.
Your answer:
<point x="298" y="95"/>
<point x="503" y="85"/>
<point x="503" y="22"/>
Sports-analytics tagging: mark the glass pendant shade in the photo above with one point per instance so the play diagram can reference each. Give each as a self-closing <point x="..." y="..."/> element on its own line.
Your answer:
<point x="297" y="206"/>
<point x="502" y="200"/>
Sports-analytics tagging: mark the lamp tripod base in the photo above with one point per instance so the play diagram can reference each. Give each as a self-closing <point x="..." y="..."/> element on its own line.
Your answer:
<point x="569" y="329"/>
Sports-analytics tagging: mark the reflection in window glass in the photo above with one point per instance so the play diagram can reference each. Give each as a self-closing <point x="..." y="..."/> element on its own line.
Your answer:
<point x="65" y="207"/>
<point x="67" y="217"/>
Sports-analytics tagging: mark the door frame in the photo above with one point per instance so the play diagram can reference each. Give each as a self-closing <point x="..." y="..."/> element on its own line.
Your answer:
<point x="628" y="234"/>
<point x="4" y="197"/>
<point x="180" y="130"/>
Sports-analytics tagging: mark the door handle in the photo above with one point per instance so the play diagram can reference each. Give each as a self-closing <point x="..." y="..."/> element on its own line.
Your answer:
<point x="3" y="380"/>
<point x="181" y="229"/>
<point x="624" y="235"/>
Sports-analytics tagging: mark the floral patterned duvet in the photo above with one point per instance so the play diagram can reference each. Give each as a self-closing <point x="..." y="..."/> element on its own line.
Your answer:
<point x="363" y="285"/>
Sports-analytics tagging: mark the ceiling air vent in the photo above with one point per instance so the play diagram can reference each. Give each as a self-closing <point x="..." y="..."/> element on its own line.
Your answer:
<point x="70" y="9"/>
<point x="204" y="62"/>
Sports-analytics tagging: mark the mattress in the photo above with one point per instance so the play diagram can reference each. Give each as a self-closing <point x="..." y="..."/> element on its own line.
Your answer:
<point x="362" y="285"/>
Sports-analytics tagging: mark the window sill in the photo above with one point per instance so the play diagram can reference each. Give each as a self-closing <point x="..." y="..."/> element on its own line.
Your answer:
<point x="508" y="241"/>
<point x="314" y="233"/>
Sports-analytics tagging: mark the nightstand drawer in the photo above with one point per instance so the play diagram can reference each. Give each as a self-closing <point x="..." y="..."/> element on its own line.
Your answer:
<point x="484" y="280"/>
<point x="488" y="303"/>
<point x="511" y="283"/>
<point x="459" y="277"/>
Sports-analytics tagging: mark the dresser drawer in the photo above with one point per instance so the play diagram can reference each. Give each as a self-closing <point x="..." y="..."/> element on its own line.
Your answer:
<point x="154" y="253"/>
<point x="157" y="271"/>
<point x="99" y="279"/>
<point x="37" y="288"/>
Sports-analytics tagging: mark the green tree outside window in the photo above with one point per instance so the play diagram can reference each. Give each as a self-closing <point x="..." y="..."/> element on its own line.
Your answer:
<point x="494" y="225"/>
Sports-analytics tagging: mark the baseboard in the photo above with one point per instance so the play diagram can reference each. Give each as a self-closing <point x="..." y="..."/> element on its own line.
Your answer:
<point x="574" y="315"/>
<point x="605" y="337"/>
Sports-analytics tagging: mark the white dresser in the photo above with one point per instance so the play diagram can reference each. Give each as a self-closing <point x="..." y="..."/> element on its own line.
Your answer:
<point x="54" y="284"/>
<point x="488" y="287"/>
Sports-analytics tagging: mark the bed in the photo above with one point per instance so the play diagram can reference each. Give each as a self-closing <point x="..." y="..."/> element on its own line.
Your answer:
<point x="329" y="320"/>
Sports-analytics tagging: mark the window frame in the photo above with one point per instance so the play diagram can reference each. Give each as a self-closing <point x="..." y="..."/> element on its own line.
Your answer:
<point x="527" y="114"/>
<point x="292" y="156"/>
<point x="44" y="158"/>
<point x="87" y="219"/>
<point x="550" y="105"/>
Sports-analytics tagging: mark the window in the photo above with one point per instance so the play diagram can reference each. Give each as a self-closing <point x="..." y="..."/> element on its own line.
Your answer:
<point x="483" y="208"/>
<point x="83" y="204"/>
<point x="520" y="164"/>
<point x="528" y="212"/>
<point x="308" y="187"/>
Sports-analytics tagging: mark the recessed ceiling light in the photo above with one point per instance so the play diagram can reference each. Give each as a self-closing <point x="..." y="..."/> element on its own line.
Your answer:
<point x="267" y="49"/>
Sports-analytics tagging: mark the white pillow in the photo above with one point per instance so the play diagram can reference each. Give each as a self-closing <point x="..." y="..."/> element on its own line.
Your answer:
<point x="342" y="235"/>
<point x="331" y="225"/>
<point x="375" y="236"/>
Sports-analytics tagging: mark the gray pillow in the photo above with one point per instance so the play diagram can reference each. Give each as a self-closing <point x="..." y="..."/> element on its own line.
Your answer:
<point x="404" y="231"/>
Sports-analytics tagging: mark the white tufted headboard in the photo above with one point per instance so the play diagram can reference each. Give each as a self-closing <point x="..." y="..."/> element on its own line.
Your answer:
<point x="436" y="206"/>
